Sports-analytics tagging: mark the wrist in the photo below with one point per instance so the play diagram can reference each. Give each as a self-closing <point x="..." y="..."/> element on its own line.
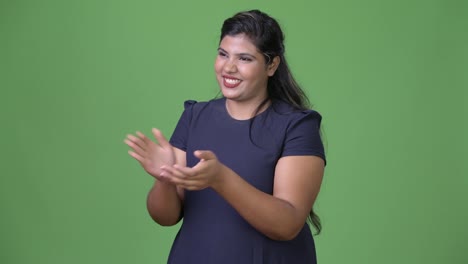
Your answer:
<point x="163" y="184"/>
<point x="221" y="177"/>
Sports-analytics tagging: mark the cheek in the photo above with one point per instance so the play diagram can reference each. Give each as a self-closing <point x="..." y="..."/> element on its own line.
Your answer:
<point x="249" y="72"/>
<point x="218" y="65"/>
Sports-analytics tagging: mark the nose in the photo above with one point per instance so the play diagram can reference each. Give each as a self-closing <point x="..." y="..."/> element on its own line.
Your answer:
<point x="230" y="66"/>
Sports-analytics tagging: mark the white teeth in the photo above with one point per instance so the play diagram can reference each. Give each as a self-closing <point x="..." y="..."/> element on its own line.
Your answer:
<point x="232" y="81"/>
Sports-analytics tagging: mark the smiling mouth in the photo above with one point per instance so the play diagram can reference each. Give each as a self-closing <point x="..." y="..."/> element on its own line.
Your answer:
<point x="231" y="82"/>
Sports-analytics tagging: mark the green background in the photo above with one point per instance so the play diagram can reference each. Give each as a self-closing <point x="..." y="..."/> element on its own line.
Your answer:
<point x="389" y="78"/>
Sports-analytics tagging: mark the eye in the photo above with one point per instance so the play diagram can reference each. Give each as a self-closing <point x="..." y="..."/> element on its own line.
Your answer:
<point x="245" y="59"/>
<point x="222" y="54"/>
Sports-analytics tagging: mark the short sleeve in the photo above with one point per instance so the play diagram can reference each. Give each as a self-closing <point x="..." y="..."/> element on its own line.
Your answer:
<point x="181" y="132"/>
<point x="303" y="136"/>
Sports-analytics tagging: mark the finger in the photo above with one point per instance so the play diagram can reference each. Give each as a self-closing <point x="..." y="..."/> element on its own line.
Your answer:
<point x="175" y="177"/>
<point x="161" y="139"/>
<point x="143" y="138"/>
<point x="204" y="154"/>
<point x="193" y="186"/>
<point x="136" y="156"/>
<point x="172" y="172"/>
<point x="180" y="179"/>
<point x="137" y="141"/>
<point x="135" y="147"/>
<point x="190" y="187"/>
<point x="189" y="172"/>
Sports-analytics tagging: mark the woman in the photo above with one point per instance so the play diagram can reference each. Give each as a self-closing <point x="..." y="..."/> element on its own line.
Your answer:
<point x="243" y="171"/>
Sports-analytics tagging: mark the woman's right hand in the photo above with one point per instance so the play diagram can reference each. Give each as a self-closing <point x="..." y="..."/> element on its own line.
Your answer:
<point x="151" y="155"/>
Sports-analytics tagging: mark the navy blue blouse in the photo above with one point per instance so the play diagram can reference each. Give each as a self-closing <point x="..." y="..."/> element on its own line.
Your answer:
<point x="212" y="231"/>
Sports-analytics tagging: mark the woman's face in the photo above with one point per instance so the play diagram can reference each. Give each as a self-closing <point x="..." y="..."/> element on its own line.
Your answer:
<point x="241" y="70"/>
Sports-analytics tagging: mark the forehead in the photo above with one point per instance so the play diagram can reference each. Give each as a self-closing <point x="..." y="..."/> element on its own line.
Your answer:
<point x="238" y="44"/>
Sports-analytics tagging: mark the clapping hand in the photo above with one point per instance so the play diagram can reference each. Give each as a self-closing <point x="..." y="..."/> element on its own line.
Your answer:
<point x="206" y="173"/>
<point x="151" y="155"/>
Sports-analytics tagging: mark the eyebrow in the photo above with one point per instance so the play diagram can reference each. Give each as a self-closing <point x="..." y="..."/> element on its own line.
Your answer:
<point x="238" y="54"/>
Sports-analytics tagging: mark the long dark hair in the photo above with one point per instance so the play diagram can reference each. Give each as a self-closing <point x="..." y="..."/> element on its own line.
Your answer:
<point x="266" y="34"/>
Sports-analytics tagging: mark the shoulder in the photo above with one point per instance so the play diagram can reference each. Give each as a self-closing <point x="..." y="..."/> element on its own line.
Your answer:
<point x="290" y="116"/>
<point x="195" y="105"/>
<point x="193" y="110"/>
<point x="301" y="130"/>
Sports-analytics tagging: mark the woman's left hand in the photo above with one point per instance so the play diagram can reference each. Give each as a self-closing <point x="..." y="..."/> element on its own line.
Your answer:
<point x="205" y="173"/>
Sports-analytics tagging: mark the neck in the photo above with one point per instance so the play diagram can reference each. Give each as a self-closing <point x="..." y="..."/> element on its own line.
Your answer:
<point x="245" y="110"/>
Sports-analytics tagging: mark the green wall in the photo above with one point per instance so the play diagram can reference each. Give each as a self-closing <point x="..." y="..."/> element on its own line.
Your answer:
<point x="389" y="77"/>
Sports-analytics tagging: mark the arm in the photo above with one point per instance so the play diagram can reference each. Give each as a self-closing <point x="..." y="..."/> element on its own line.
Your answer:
<point x="164" y="201"/>
<point x="279" y="216"/>
<point x="282" y="215"/>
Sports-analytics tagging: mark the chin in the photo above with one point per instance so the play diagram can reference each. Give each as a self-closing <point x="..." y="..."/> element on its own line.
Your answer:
<point x="228" y="93"/>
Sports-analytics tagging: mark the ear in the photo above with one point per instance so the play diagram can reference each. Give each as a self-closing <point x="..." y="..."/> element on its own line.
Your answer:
<point x="273" y="66"/>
